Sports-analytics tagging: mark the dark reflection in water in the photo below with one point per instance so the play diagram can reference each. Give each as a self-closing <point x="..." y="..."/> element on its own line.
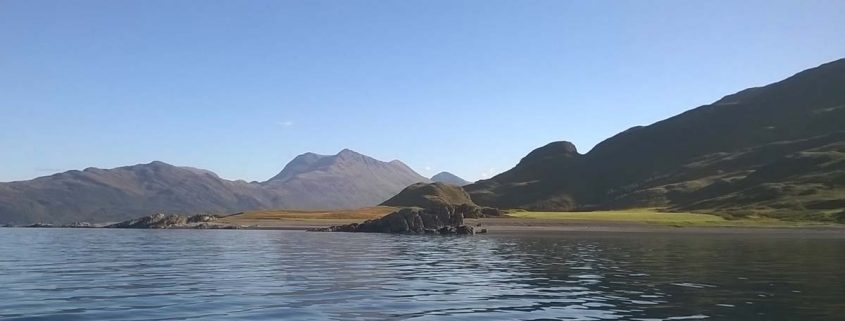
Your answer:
<point x="66" y="274"/>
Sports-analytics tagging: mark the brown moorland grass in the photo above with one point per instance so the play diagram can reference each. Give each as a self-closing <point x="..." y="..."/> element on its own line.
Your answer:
<point x="336" y="214"/>
<point x="662" y="217"/>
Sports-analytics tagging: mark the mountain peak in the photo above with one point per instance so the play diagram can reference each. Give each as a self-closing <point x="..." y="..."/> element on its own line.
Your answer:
<point x="553" y="150"/>
<point x="449" y="178"/>
<point x="158" y="164"/>
<point x="299" y="164"/>
<point x="345" y="160"/>
<point x="349" y="154"/>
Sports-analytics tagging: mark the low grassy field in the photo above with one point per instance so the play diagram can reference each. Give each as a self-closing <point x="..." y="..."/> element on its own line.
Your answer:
<point x="323" y="218"/>
<point x="656" y="216"/>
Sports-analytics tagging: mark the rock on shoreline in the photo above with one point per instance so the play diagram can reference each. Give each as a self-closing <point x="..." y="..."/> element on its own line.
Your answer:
<point x="162" y="221"/>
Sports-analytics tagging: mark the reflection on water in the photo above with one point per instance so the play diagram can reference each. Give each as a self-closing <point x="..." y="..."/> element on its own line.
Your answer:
<point x="83" y="274"/>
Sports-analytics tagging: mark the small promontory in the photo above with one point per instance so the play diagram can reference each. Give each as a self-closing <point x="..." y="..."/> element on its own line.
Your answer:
<point x="438" y="195"/>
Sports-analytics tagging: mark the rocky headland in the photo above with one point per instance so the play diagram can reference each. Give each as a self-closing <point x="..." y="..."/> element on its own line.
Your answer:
<point x="434" y="208"/>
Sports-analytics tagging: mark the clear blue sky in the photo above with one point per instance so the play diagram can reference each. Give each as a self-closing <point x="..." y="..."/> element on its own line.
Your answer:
<point x="241" y="87"/>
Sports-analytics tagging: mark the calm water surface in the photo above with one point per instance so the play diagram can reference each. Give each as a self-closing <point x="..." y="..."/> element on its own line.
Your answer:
<point x="94" y="274"/>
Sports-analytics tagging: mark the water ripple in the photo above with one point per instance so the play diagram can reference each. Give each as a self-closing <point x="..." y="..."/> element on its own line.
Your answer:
<point x="59" y="274"/>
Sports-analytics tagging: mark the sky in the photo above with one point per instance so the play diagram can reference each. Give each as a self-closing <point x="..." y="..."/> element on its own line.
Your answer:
<point x="470" y="87"/>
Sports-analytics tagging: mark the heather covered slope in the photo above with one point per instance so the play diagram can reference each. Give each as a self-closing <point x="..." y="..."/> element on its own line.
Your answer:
<point x="774" y="150"/>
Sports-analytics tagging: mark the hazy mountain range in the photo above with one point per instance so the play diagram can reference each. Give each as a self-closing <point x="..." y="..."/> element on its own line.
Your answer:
<point x="776" y="150"/>
<point x="345" y="180"/>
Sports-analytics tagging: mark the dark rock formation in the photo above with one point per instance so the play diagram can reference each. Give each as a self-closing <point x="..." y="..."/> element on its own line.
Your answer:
<point x="40" y="225"/>
<point x="157" y="220"/>
<point x="162" y="221"/>
<point x="79" y="225"/>
<point x="412" y="220"/>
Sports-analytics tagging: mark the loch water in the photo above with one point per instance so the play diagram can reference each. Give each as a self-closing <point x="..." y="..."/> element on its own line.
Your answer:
<point x="104" y="274"/>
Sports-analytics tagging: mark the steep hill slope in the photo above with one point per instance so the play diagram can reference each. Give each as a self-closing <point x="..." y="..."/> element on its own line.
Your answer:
<point x="749" y="152"/>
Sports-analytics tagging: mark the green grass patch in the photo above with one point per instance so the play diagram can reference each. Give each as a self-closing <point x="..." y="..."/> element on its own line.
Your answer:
<point x="657" y="216"/>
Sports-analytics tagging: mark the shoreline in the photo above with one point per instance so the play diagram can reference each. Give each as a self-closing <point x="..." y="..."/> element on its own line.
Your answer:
<point x="517" y="226"/>
<point x="546" y="227"/>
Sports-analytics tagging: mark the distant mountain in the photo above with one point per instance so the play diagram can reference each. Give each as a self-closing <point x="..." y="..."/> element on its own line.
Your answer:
<point x="101" y="195"/>
<point x="345" y="180"/>
<point x="449" y="178"/>
<point x="777" y="150"/>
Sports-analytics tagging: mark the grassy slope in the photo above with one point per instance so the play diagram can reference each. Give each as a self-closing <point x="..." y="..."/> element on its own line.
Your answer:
<point x="656" y="216"/>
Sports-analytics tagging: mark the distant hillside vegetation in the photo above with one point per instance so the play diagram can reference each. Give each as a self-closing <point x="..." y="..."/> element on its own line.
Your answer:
<point x="776" y="150"/>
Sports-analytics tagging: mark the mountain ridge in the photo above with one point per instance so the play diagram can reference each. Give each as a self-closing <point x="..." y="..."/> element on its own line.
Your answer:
<point x="100" y="195"/>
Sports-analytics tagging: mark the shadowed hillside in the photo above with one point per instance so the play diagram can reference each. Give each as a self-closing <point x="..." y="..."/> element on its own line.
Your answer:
<point x="774" y="150"/>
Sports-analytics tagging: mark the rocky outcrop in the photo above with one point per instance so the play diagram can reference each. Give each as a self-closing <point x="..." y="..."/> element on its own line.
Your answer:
<point x="438" y="195"/>
<point x="45" y="225"/>
<point x="79" y="225"/>
<point x="40" y="225"/>
<point x="412" y="220"/>
<point x="162" y="221"/>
